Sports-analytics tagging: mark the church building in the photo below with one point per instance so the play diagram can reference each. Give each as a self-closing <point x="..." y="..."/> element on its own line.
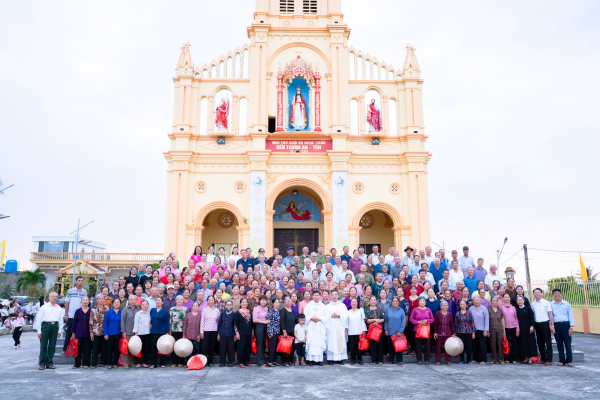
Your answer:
<point x="297" y="139"/>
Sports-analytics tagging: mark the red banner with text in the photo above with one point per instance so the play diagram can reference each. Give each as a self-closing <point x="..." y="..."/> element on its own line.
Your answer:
<point x="299" y="146"/>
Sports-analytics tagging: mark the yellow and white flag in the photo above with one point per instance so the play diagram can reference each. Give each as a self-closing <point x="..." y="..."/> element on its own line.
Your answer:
<point x="584" y="276"/>
<point x="3" y="244"/>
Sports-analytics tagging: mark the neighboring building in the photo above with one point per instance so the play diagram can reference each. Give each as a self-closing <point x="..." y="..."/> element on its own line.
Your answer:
<point x="297" y="139"/>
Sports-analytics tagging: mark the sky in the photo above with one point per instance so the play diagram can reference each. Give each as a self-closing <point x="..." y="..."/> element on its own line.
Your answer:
<point x="510" y="102"/>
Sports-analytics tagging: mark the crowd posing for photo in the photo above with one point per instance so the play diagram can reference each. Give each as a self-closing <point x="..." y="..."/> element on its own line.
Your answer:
<point x="330" y="307"/>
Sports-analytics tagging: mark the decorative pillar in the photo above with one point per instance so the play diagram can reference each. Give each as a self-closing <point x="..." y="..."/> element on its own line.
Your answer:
<point x="257" y="206"/>
<point x="269" y="231"/>
<point x="211" y="115"/>
<point x="386" y="115"/>
<point x="317" y="77"/>
<point x="361" y="113"/>
<point x="198" y="236"/>
<point x="279" y="102"/>
<point x="340" y="206"/>
<point x="328" y="214"/>
<point x="243" y="235"/>
<point x="354" y="236"/>
<point x="397" y="237"/>
<point x="234" y="128"/>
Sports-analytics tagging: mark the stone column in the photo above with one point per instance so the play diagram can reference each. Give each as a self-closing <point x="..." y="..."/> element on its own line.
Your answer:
<point x="317" y="103"/>
<point x="279" y="106"/>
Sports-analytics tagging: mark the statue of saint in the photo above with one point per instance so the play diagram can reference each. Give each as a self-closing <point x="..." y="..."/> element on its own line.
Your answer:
<point x="374" y="117"/>
<point x="222" y="113"/>
<point x="298" y="118"/>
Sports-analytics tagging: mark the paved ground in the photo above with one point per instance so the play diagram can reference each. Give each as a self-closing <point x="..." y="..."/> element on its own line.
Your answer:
<point x="21" y="379"/>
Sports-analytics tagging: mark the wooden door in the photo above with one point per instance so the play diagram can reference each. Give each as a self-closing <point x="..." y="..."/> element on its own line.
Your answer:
<point x="283" y="238"/>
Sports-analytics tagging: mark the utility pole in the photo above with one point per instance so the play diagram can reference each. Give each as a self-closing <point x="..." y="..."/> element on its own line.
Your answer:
<point x="76" y="250"/>
<point x="527" y="277"/>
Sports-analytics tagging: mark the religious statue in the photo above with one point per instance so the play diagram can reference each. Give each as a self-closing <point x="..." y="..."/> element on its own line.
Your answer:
<point x="298" y="118"/>
<point x="222" y="113"/>
<point x="374" y="117"/>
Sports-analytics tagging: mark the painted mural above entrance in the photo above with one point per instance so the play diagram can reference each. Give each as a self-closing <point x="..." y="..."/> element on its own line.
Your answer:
<point x="298" y="208"/>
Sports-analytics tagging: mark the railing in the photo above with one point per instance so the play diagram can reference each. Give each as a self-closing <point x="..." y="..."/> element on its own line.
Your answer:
<point x="114" y="257"/>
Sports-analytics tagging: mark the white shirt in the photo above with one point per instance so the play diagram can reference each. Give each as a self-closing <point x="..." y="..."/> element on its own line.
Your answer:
<point x="375" y="258"/>
<point x="336" y="269"/>
<point x="363" y="258"/>
<point x="323" y="275"/>
<point x="457" y="276"/>
<point x="50" y="313"/>
<point x="489" y="280"/>
<point x="356" y="322"/>
<point x="210" y="258"/>
<point x="341" y="276"/>
<point x="465" y="262"/>
<point x="260" y="268"/>
<point x="429" y="259"/>
<point x="389" y="259"/>
<point x="541" y="309"/>
<point x="232" y="257"/>
<point x="300" y="331"/>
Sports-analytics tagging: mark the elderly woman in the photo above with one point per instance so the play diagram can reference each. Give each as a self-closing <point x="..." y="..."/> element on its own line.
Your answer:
<point x="481" y="318"/>
<point x="226" y="335"/>
<point x="464" y="327"/>
<point x="81" y="331"/>
<point x="374" y="315"/>
<point x="159" y="325"/>
<point x="141" y="328"/>
<point x="383" y="303"/>
<point x="395" y="322"/>
<point x="288" y="318"/>
<point x="242" y="321"/>
<point x="511" y="327"/>
<point x="209" y="326"/>
<point x="520" y="292"/>
<point x="306" y="299"/>
<point x="525" y="337"/>
<point x="259" y="316"/>
<point x="191" y="327"/>
<point x="422" y="316"/>
<point x="97" y="328"/>
<point x="496" y="330"/>
<point x="176" y="318"/>
<point x="365" y="299"/>
<point x="356" y="326"/>
<point x="443" y="328"/>
<point x="112" y="333"/>
<point x="127" y="322"/>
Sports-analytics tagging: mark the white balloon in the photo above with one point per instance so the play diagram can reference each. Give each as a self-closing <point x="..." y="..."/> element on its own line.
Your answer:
<point x="454" y="346"/>
<point x="135" y="345"/>
<point x="183" y="347"/>
<point x="165" y="344"/>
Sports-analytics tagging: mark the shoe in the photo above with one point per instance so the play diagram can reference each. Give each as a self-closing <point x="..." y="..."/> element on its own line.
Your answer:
<point x="547" y="363"/>
<point x="437" y="363"/>
<point x="419" y="362"/>
<point x="320" y="364"/>
<point x="15" y="347"/>
<point x="360" y="362"/>
<point x="342" y="362"/>
<point x="247" y="365"/>
<point x="241" y="365"/>
<point x="330" y="362"/>
<point x="42" y="367"/>
<point x="570" y="364"/>
<point x="297" y="364"/>
<point x="230" y="365"/>
<point x="19" y="345"/>
<point x="399" y="363"/>
<point x="448" y="363"/>
<point x="501" y="362"/>
<point x="352" y="362"/>
<point x="426" y="363"/>
<point x="221" y="365"/>
<point x="461" y="363"/>
<point x="53" y="367"/>
<point x="302" y="363"/>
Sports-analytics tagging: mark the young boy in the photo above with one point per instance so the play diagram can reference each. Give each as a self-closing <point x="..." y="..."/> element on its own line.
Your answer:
<point x="17" y="328"/>
<point x="300" y="334"/>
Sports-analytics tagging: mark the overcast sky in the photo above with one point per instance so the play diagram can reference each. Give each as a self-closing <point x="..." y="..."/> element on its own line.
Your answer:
<point x="510" y="97"/>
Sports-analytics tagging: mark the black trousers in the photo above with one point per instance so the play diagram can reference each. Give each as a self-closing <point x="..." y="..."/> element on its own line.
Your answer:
<point x="511" y="336"/>
<point x="155" y="358"/>
<point x="419" y="343"/>
<point x="563" y="342"/>
<point x="98" y="349"/>
<point x="409" y="332"/>
<point x="273" y="348"/>
<point x="243" y="349"/>
<point x="376" y="350"/>
<point x="226" y="348"/>
<point x="84" y="352"/>
<point x="355" y="354"/>
<point x="544" y="341"/>
<point x="17" y="335"/>
<point x="260" y="332"/>
<point x="301" y="350"/>
<point x="175" y="359"/>
<point x="208" y="345"/>
<point x="394" y="357"/>
<point x="289" y="358"/>
<point x="145" y="348"/>
<point x="467" y="339"/>
<point x="68" y="334"/>
<point x="480" y="347"/>
<point x="112" y="349"/>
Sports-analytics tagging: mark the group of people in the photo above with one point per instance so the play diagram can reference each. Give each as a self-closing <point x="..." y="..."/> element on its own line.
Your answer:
<point x="329" y="304"/>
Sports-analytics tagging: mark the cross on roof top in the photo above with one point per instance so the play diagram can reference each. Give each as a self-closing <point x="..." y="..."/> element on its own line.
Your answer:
<point x="410" y="49"/>
<point x="186" y="47"/>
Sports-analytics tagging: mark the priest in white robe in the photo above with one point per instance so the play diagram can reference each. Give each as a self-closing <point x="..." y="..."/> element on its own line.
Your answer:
<point x="338" y="330"/>
<point x="317" y="316"/>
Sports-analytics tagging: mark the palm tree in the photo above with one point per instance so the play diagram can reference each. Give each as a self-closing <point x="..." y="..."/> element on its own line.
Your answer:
<point x="31" y="278"/>
<point x="590" y="274"/>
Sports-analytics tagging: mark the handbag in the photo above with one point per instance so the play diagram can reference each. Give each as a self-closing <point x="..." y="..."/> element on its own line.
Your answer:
<point x="284" y="344"/>
<point x="72" y="348"/>
<point x="253" y="345"/>
<point x="505" y="346"/>
<point x="374" y="332"/>
<point x="400" y="343"/>
<point x="423" y="331"/>
<point x="363" y="342"/>
<point x="124" y="345"/>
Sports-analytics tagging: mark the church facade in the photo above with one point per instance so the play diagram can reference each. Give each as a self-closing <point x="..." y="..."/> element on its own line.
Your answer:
<point x="295" y="139"/>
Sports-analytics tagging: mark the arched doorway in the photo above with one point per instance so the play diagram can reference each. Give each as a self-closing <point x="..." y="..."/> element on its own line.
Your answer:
<point x="298" y="214"/>
<point x="219" y="224"/>
<point x="377" y="224"/>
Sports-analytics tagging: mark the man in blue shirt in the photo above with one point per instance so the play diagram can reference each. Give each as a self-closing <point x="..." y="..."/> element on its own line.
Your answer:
<point x="563" y="327"/>
<point x="290" y="256"/>
<point x="245" y="261"/>
<point x="346" y="257"/>
<point x="470" y="281"/>
<point x="437" y="271"/>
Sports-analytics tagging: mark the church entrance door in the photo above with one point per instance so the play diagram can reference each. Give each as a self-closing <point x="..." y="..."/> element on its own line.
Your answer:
<point x="297" y="238"/>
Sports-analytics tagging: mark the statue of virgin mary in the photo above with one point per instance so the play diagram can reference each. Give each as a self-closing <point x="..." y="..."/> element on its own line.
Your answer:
<point x="298" y="118"/>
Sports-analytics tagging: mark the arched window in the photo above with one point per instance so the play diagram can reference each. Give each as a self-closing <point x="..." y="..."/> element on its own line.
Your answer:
<point x="286" y="6"/>
<point x="238" y="66"/>
<point x="383" y="74"/>
<point x="310" y="7"/>
<point x="245" y="69"/>
<point x="213" y="71"/>
<point x="204" y="73"/>
<point x="393" y="114"/>
<point x="243" y="116"/>
<point x="221" y="96"/>
<point x="360" y="67"/>
<point x="375" y="72"/>
<point x="202" y="123"/>
<point x="230" y="67"/>
<point x="368" y="70"/>
<point x="352" y="66"/>
<point x="354" y="119"/>
<point x="221" y="69"/>
<point x="373" y="97"/>
<point x="391" y="75"/>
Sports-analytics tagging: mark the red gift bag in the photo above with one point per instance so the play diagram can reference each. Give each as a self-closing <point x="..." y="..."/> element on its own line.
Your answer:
<point x="423" y="331"/>
<point x="124" y="346"/>
<point x="138" y="355"/>
<point x="400" y="343"/>
<point x="284" y="344"/>
<point x="363" y="342"/>
<point x="253" y="345"/>
<point x="374" y="332"/>
<point x="72" y="348"/>
<point x="505" y="347"/>
<point x="120" y="363"/>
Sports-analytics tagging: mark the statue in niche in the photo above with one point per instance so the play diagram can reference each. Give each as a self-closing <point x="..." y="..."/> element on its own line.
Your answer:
<point x="222" y="113"/>
<point x="374" y="117"/>
<point x="298" y="118"/>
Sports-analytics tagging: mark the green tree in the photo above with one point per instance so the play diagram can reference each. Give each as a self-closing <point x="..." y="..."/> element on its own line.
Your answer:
<point x="6" y="290"/>
<point x="590" y="274"/>
<point x="31" y="280"/>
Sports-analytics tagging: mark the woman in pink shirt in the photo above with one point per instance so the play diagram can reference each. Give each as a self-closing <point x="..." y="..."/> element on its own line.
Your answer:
<point x="422" y="315"/>
<point x="197" y="256"/>
<point x="511" y="326"/>
<point x="208" y="329"/>
<point x="214" y="268"/>
<point x="259" y="317"/>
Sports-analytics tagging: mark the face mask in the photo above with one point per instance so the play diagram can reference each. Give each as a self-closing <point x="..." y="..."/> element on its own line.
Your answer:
<point x="228" y="309"/>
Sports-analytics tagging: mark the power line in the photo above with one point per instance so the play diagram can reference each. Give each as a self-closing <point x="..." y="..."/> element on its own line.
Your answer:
<point x="510" y="257"/>
<point x="566" y="251"/>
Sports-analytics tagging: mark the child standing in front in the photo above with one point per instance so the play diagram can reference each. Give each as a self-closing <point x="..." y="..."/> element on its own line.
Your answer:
<point x="300" y="334"/>
<point x="17" y="329"/>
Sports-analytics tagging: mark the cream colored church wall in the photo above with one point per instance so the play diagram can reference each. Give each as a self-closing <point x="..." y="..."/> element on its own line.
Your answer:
<point x="214" y="233"/>
<point x="378" y="233"/>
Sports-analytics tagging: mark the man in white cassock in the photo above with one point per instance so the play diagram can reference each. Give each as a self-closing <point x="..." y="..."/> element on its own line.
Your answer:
<point x="338" y="330"/>
<point x="317" y="316"/>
